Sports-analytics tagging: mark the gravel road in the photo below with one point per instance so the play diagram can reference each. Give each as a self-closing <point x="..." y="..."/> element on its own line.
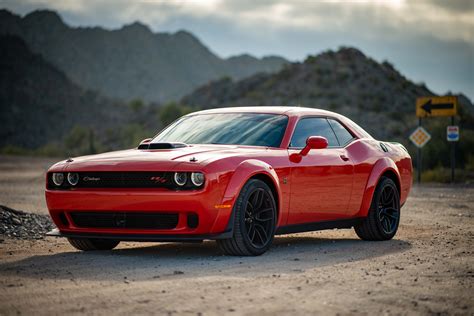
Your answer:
<point x="427" y="269"/>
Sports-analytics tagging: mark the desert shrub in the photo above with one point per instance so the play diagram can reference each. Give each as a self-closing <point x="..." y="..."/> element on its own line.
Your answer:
<point x="443" y="175"/>
<point x="50" y="150"/>
<point x="136" y="105"/>
<point x="80" y="141"/>
<point x="171" y="111"/>
<point x="310" y="59"/>
<point x="14" y="150"/>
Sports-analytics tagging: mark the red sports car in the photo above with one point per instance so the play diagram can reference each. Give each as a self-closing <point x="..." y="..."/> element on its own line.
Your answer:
<point x="235" y="175"/>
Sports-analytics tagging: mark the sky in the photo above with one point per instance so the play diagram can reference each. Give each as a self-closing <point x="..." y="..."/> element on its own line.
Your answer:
<point x="430" y="41"/>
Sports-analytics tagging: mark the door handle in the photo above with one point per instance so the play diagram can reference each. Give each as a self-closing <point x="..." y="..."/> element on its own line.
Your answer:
<point x="344" y="157"/>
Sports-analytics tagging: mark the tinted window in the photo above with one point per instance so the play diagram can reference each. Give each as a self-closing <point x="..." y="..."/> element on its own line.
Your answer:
<point x="342" y="134"/>
<point x="227" y="128"/>
<point x="313" y="126"/>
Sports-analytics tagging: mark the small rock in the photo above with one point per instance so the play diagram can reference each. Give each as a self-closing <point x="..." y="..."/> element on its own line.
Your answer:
<point x="16" y="221"/>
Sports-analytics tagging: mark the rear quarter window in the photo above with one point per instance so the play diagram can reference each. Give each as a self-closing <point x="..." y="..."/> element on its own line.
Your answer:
<point x="342" y="134"/>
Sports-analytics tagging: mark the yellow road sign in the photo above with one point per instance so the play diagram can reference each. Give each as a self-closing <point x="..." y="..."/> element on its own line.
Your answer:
<point x="436" y="106"/>
<point x="420" y="137"/>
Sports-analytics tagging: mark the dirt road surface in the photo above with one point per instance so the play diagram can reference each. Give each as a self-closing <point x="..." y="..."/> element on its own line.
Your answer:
<point x="427" y="269"/>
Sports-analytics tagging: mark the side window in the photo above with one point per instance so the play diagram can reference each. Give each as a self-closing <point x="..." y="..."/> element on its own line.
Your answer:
<point x="342" y="134"/>
<point x="312" y="126"/>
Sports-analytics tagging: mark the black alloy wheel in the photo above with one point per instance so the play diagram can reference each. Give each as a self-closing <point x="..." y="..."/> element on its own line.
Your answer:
<point x="388" y="211"/>
<point x="259" y="218"/>
<point x="383" y="218"/>
<point x="255" y="217"/>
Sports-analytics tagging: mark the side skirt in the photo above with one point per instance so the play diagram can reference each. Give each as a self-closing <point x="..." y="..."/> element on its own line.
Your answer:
<point x="137" y="237"/>
<point x="307" y="227"/>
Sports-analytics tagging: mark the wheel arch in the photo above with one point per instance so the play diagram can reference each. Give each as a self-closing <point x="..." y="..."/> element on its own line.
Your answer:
<point x="384" y="167"/>
<point x="247" y="170"/>
<point x="271" y="184"/>
<point x="389" y="173"/>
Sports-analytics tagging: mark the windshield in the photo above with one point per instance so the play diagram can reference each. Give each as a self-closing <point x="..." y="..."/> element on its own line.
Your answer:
<point x="250" y="129"/>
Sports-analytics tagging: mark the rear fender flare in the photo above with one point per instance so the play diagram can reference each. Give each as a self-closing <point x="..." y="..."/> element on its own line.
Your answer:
<point x="380" y="167"/>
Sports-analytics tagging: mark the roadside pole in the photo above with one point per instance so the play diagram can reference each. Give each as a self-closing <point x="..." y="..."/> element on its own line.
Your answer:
<point x="453" y="155"/>
<point x="418" y="158"/>
<point x="419" y="137"/>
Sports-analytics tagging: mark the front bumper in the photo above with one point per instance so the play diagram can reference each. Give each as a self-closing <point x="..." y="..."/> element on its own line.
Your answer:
<point x="213" y="220"/>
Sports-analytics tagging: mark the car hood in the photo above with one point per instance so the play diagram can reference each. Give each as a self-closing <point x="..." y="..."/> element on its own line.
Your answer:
<point x="157" y="159"/>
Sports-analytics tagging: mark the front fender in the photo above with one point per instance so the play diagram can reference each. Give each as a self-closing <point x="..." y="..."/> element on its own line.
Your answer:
<point x="244" y="171"/>
<point x="381" y="166"/>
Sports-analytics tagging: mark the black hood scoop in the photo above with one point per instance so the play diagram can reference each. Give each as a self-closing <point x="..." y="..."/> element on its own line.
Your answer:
<point x="162" y="145"/>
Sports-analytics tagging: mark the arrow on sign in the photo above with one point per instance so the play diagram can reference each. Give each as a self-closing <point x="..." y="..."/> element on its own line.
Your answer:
<point x="428" y="106"/>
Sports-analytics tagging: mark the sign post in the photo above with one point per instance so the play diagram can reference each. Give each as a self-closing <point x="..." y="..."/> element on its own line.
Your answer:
<point x="419" y="137"/>
<point x="452" y="135"/>
<point x="432" y="107"/>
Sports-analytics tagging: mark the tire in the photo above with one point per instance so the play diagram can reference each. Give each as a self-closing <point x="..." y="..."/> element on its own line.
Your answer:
<point x="87" y="244"/>
<point x="255" y="217"/>
<point x="383" y="218"/>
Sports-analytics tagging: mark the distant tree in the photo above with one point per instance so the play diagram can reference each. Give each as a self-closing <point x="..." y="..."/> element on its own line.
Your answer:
<point x="80" y="141"/>
<point x="311" y="59"/>
<point x="171" y="111"/>
<point x="136" y="105"/>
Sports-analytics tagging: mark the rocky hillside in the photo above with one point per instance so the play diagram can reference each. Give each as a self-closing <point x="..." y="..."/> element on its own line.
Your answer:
<point x="132" y="62"/>
<point x="375" y="95"/>
<point x="39" y="104"/>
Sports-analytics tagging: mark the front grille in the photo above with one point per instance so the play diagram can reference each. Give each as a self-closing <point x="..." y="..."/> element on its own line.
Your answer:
<point x="158" y="179"/>
<point x="130" y="220"/>
<point x="124" y="179"/>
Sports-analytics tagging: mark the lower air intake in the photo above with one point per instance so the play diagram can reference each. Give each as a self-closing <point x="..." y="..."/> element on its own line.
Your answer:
<point x="127" y="220"/>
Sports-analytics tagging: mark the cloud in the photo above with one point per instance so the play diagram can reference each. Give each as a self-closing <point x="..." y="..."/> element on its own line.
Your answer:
<point x="450" y="20"/>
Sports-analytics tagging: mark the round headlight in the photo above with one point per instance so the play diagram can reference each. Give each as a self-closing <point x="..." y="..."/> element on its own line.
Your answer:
<point x="197" y="178"/>
<point x="72" y="178"/>
<point x="180" y="178"/>
<point x="58" y="178"/>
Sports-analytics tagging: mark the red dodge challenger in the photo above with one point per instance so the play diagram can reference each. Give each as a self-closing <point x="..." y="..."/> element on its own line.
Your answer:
<point x="239" y="176"/>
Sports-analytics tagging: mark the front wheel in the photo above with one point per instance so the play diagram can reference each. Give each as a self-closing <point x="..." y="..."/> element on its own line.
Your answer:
<point x="87" y="244"/>
<point x="383" y="218"/>
<point x="255" y="216"/>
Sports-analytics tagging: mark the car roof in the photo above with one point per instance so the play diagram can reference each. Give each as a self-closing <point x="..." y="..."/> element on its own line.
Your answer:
<point x="286" y="110"/>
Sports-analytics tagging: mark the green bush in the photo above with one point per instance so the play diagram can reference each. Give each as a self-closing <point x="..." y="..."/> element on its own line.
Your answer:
<point x="136" y="105"/>
<point x="80" y="141"/>
<point x="171" y="111"/>
<point x="443" y="175"/>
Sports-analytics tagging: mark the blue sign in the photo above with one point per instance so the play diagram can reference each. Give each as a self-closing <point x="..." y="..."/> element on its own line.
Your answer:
<point x="452" y="133"/>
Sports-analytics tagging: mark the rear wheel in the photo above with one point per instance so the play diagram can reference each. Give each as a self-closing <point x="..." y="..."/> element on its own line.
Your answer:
<point x="254" y="221"/>
<point x="87" y="244"/>
<point x="383" y="218"/>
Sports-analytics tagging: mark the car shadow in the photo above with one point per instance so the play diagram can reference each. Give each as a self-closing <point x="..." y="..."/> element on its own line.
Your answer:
<point x="289" y="254"/>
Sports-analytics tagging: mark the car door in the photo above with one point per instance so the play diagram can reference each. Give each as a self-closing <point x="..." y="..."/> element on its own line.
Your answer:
<point x="321" y="183"/>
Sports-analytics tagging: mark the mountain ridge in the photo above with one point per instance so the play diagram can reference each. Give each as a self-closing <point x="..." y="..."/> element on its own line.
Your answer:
<point x="40" y="105"/>
<point x="374" y="94"/>
<point x="132" y="61"/>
